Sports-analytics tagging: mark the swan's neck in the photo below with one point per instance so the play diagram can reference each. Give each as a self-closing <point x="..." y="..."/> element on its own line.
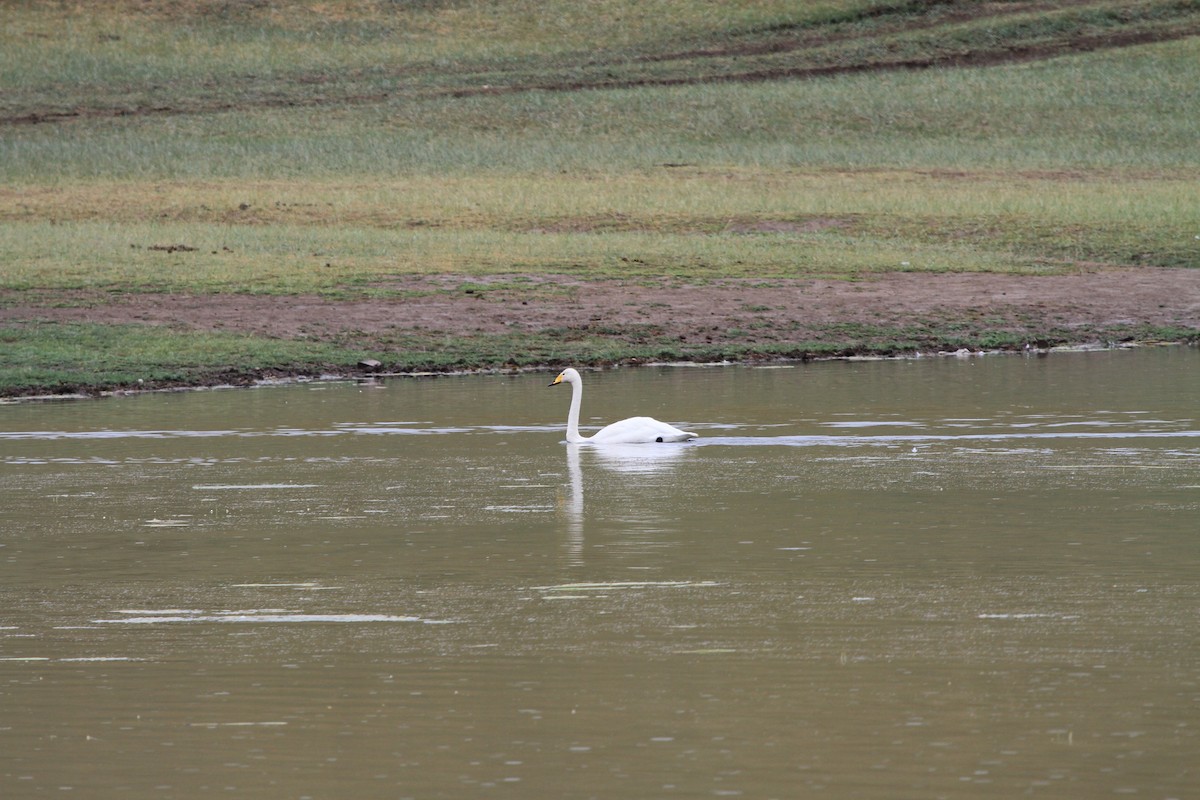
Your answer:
<point x="573" y="415"/>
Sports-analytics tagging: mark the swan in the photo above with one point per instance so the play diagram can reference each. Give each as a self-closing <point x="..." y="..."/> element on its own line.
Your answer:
<point x="634" y="430"/>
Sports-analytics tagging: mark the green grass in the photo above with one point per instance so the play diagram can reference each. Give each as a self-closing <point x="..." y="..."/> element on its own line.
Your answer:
<point x="331" y="147"/>
<point x="53" y="358"/>
<point x="200" y="55"/>
<point x="66" y="357"/>
<point x="289" y="260"/>
<point x="1131" y="110"/>
<point x="349" y="238"/>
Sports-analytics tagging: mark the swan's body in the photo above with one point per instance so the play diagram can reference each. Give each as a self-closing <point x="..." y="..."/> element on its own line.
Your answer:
<point x="635" y="430"/>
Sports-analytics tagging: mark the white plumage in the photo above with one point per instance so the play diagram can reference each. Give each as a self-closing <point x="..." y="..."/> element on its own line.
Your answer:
<point x="635" y="430"/>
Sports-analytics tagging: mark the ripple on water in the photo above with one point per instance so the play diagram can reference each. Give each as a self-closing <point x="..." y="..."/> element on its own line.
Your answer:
<point x="265" y="615"/>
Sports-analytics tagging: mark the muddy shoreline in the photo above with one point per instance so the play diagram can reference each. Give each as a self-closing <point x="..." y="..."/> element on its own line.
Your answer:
<point x="794" y="318"/>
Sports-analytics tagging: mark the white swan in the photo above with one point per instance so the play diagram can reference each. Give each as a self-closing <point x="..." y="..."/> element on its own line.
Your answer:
<point x="634" y="430"/>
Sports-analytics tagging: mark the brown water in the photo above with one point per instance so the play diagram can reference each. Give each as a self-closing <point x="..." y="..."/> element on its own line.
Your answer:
<point x="930" y="578"/>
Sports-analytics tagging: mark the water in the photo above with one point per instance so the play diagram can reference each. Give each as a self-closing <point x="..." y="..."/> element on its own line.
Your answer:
<point x="931" y="578"/>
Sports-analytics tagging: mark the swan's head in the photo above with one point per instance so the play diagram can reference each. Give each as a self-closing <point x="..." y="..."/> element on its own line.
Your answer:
<point x="568" y="375"/>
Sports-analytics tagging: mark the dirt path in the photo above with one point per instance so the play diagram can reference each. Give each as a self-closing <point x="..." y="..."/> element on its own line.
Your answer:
<point x="1078" y="306"/>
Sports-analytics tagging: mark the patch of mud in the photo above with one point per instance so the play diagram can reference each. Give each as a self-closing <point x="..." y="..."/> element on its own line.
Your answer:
<point x="782" y="226"/>
<point x="732" y="312"/>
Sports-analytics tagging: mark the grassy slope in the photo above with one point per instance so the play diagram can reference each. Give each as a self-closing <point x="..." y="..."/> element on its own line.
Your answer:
<point x="280" y="138"/>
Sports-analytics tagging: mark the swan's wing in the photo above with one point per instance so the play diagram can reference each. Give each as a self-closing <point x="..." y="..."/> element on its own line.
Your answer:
<point x="640" y="429"/>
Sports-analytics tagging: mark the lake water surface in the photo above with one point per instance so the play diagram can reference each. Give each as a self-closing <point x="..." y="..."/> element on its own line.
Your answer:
<point x="927" y="578"/>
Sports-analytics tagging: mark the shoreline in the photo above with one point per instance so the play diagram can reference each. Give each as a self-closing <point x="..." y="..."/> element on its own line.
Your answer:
<point x="367" y="377"/>
<point x="60" y="343"/>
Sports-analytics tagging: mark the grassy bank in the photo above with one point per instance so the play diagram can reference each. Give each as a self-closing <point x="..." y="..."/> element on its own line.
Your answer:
<point x="334" y="148"/>
<point x="60" y="359"/>
<point x="72" y="358"/>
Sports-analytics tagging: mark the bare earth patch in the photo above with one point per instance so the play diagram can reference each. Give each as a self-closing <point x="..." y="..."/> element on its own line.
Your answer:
<point x="732" y="312"/>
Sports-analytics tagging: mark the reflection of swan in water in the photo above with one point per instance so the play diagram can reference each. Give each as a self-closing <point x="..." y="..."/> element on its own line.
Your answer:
<point x="635" y="458"/>
<point x="574" y="508"/>
<point x="623" y="458"/>
<point x="628" y="431"/>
